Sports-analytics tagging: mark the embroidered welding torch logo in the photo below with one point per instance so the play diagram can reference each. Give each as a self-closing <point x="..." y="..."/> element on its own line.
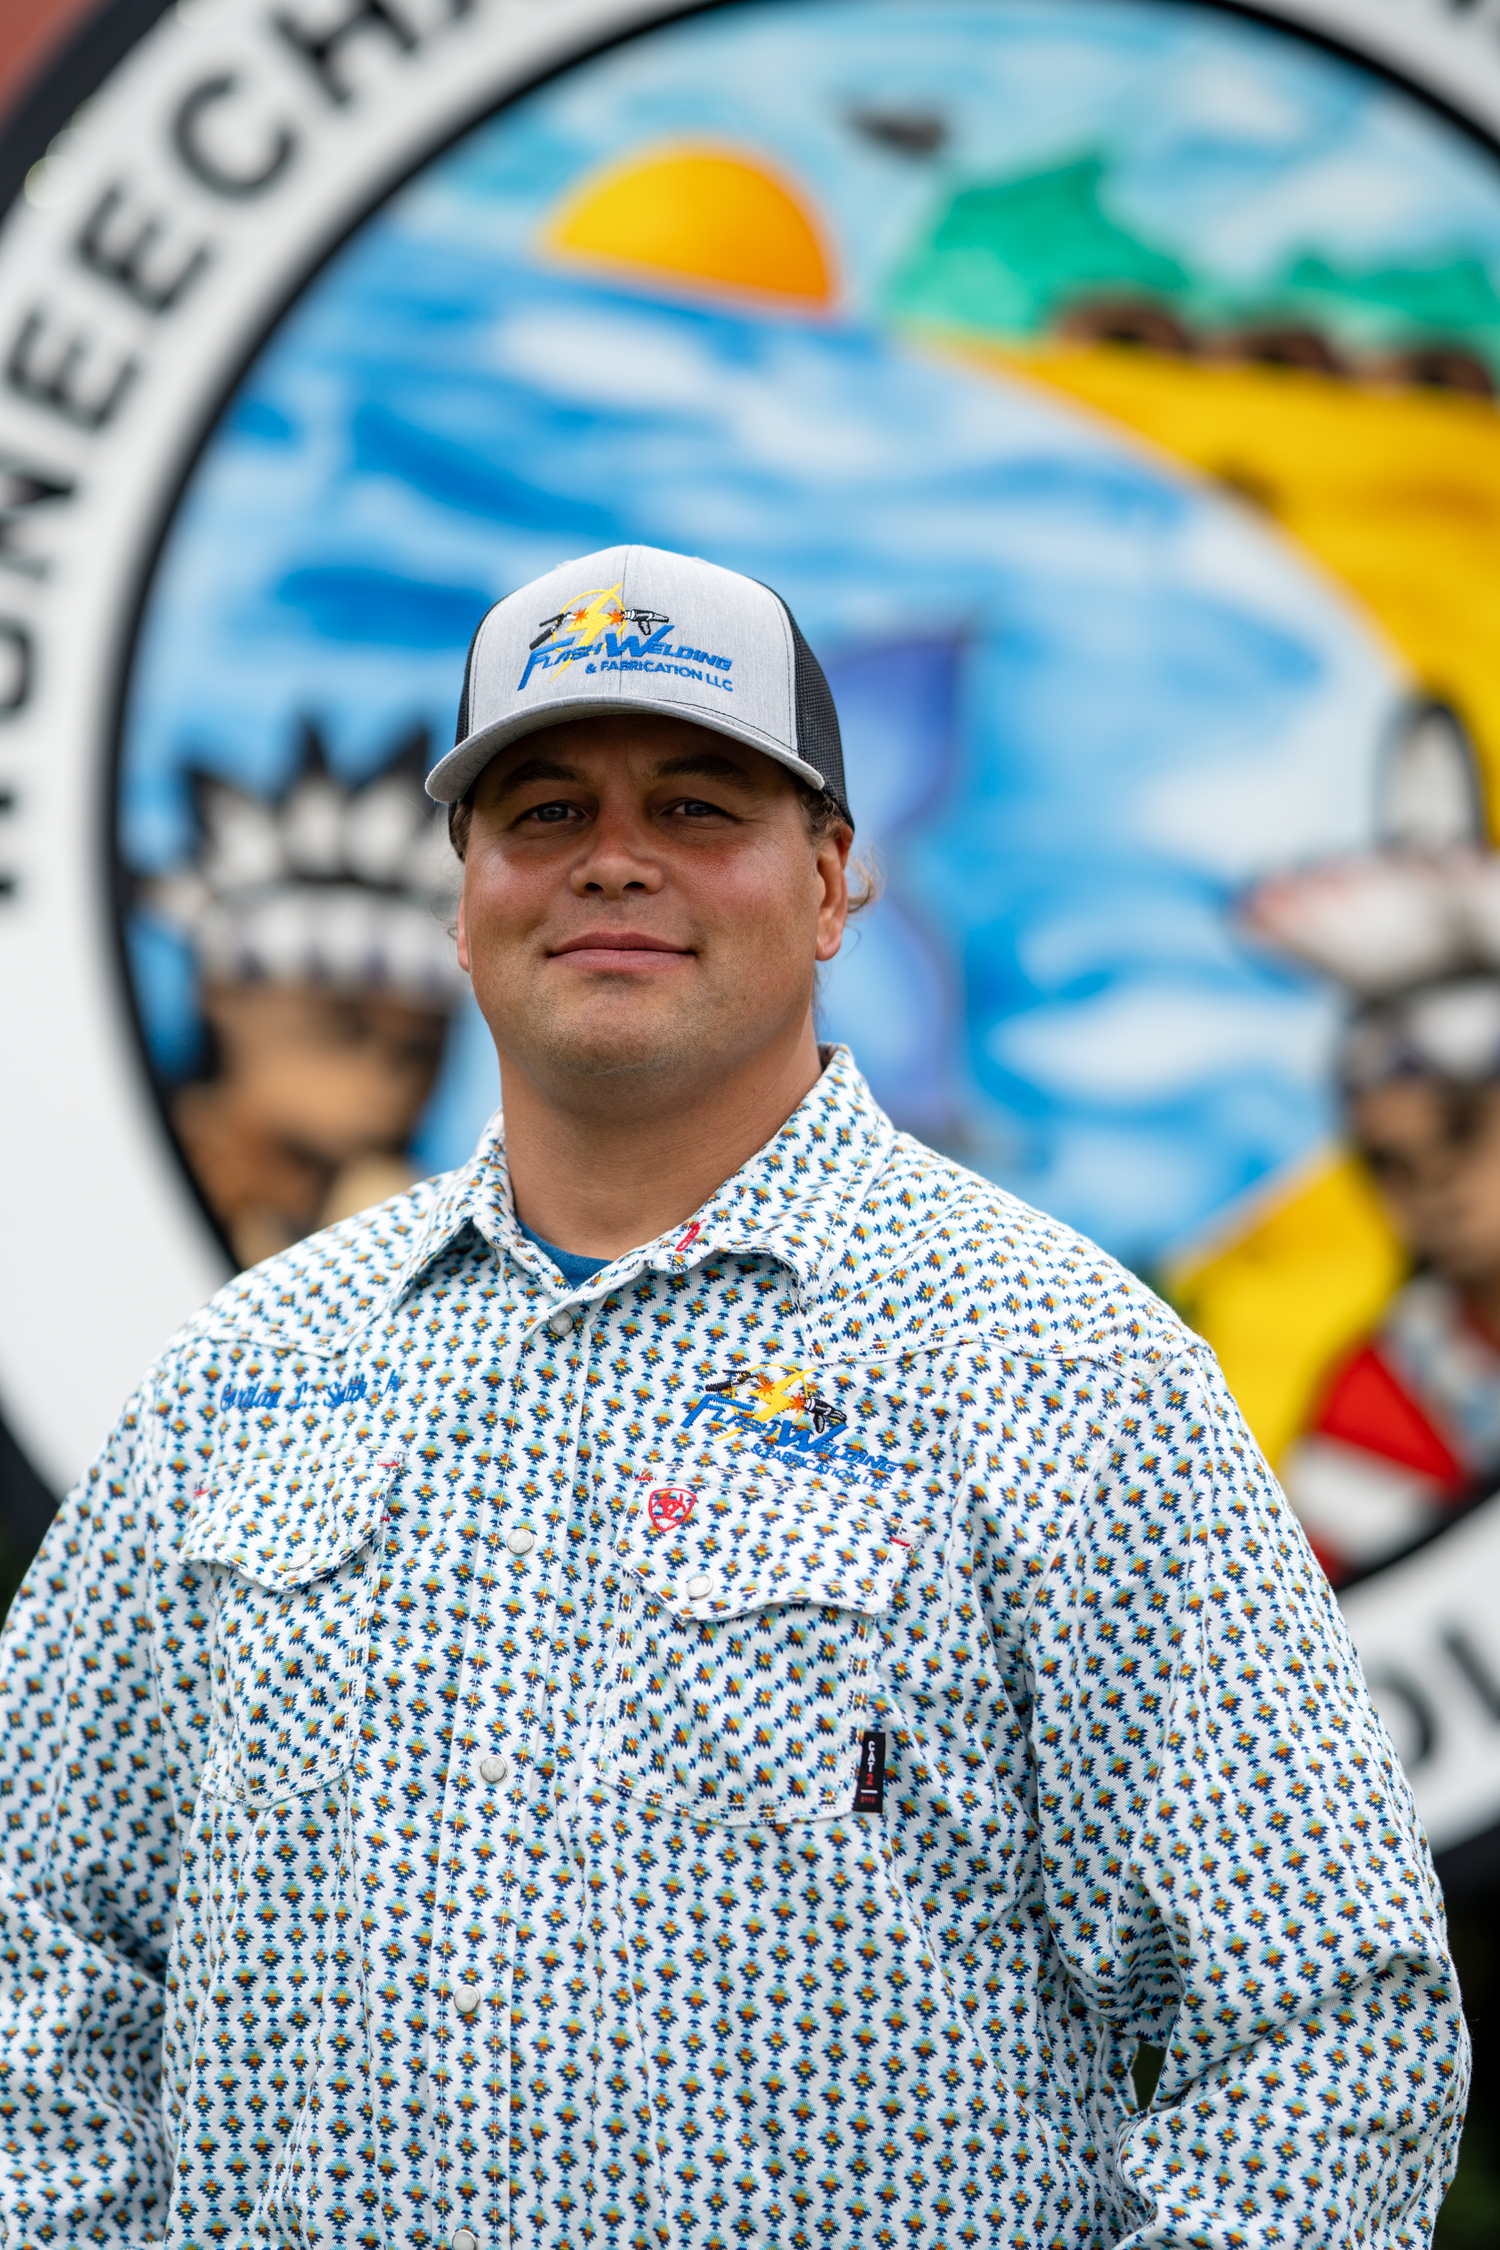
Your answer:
<point x="670" y="1505"/>
<point x="599" y="615"/>
<point x="604" y="633"/>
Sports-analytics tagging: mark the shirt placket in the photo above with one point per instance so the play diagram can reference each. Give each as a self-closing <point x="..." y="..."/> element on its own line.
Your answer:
<point x="503" y="1782"/>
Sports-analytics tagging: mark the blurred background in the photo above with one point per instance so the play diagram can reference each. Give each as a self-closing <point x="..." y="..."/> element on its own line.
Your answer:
<point x="1110" y="387"/>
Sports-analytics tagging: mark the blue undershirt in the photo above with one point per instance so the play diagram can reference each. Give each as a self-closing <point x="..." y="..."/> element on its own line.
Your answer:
<point x="572" y="1268"/>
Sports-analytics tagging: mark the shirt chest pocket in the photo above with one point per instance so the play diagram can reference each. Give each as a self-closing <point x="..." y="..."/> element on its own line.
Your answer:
<point x="742" y="1640"/>
<point x="293" y="1545"/>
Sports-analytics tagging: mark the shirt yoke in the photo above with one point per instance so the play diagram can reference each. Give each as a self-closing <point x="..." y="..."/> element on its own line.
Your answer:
<point x="930" y="1255"/>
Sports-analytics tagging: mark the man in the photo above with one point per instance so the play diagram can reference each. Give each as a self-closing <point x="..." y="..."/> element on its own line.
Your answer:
<point x="707" y="1678"/>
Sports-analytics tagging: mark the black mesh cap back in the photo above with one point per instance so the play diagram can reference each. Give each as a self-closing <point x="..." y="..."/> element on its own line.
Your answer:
<point x="465" y="722"/>
<point x="818" y="737"/>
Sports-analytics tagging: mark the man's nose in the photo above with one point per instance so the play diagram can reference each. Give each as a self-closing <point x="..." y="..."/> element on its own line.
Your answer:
<point x="619" y="858"/>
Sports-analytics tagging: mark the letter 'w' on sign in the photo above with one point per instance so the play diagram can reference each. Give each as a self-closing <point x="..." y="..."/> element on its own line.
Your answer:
<point x="671" y="1504"/>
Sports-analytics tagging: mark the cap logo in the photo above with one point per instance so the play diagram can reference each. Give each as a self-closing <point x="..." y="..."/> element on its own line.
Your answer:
<point x="579" y="626"/>
<point x="591" y="630"/>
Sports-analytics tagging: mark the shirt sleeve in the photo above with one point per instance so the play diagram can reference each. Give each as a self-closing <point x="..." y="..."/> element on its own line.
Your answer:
<point x="1234" y="1865"/>
<point x="88" y="1870"/>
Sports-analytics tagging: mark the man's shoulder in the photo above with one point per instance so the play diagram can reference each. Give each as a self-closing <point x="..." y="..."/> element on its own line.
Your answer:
<point x="945" y="1254"/>
<point x="322" y="1290"/>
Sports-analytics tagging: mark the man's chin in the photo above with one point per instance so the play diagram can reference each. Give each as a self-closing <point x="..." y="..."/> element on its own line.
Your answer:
<point x="640" y="1050"/>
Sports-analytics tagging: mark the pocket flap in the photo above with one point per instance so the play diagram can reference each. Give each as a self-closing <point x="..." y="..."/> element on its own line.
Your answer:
<point x="718" y="1548"/>
<point x="286" y="1519"/>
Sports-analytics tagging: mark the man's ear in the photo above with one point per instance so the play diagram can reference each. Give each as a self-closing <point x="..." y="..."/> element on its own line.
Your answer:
<point x="462" y="934"/>
<point x="833" y="873"/>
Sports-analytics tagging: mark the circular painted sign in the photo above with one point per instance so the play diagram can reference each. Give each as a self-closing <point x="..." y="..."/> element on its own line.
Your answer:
<point x="1110" y="387"/>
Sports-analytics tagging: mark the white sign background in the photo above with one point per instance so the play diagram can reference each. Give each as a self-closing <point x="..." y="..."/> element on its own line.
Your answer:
<point x="205" y="181"/>
<point x="1427" y="1629"/>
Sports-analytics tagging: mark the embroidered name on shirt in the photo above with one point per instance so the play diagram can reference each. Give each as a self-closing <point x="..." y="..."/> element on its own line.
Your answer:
<point x="254" y="1397"/>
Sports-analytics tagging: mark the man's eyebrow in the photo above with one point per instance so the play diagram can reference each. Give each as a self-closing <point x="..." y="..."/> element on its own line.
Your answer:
<point x="709" y="763"/>
<point x="537" y="769"/>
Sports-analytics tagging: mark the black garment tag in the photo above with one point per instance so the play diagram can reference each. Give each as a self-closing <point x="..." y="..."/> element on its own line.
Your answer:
<point x="869" y="1790"/>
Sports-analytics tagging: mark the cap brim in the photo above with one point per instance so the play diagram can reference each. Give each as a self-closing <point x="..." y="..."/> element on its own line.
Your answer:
<point x="466" y="761"/>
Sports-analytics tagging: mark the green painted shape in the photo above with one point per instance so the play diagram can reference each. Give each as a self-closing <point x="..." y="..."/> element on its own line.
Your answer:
<point x="1006" y="255"/>
<point x="1455" y="302"/>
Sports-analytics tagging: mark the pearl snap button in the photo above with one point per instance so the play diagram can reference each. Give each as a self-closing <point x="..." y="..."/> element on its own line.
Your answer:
<point x="562" y="1322"/>
<point x="492" y="1769"/>
<point x="467" y="2001"/>
<point x="465" y="2239"/>
<point x="698" y="1587"/>
<point x="521" y="1540"/>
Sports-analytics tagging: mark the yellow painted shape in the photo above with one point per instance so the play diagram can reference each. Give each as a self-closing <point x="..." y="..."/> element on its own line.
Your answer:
<point x="1305" y="1278"/>
<point x="1395" y="493"/>
<point x="704" y="215"/>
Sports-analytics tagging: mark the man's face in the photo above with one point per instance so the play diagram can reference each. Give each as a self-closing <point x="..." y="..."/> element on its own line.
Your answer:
<point x="1434" y="1151"/>
<point x="642" y="902"/>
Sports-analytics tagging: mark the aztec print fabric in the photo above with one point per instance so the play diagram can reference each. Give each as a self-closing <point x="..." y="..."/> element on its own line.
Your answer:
<point x="434" y="1727"/>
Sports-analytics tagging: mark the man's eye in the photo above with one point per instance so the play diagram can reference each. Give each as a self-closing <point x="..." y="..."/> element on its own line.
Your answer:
<point x="697" y="809"/>
<point x="552" y="814"/>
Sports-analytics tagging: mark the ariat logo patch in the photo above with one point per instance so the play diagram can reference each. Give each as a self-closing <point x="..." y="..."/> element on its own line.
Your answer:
<point x="670" y="1505"/>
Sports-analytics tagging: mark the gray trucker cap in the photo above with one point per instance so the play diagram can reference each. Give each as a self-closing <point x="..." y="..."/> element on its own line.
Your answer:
<point x="639" y="629"/>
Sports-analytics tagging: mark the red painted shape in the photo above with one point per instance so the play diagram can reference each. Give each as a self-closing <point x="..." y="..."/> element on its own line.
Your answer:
<point x="32" y="36"/>
<point x="692" y="1235"/>
<point x="1366" y="1406"/>
<point x="670" y="1504"/>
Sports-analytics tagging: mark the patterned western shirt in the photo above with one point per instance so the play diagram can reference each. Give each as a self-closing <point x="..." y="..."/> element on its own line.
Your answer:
<point x="444" y="1802"/>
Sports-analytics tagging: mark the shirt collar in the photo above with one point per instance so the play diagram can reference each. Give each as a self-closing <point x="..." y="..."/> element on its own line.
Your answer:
<point x="793" y="1201"/>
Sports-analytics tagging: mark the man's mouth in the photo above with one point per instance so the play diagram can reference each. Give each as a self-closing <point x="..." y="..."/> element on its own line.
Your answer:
<point x="631" y="950"/>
